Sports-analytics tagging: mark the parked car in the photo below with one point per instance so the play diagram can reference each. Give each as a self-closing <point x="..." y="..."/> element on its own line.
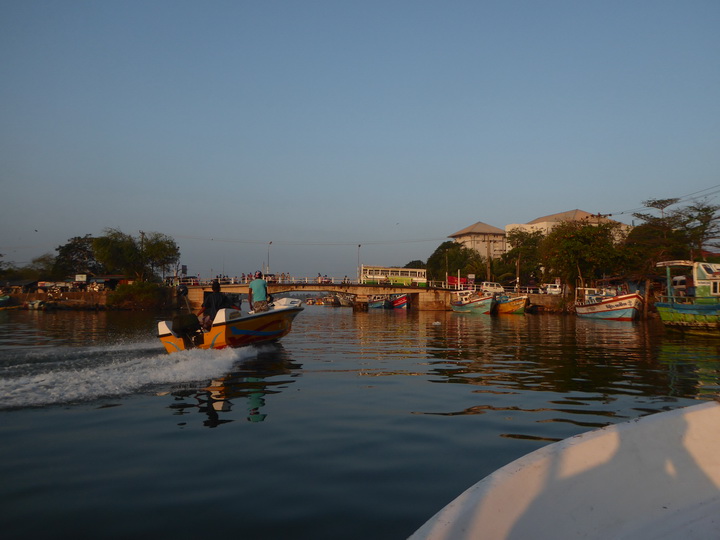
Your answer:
<point x="552" y="288"/>
<point x="491" y="287"/>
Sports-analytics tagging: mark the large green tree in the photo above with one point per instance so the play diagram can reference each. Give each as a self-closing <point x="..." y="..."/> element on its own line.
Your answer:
<point x="522" y="260"/>
<point x="576" y="251"/>
<point x="680" y="233"/>
<point x="160" y="252"/>
<point x="138" y="256"/>
<point x="450" y="258"/>
<point x="701" y="223"/>
<point x="649" y="243"/>
<point x="76" y="257"/>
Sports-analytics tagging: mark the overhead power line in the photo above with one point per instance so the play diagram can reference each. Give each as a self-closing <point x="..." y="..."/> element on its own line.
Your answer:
<point x="690" y="196"/>
<point x="264" y="243"/>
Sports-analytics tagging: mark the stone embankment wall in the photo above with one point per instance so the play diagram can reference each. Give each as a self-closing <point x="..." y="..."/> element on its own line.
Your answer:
<point x="550" y="303"/>
<point x="69" y="300"/>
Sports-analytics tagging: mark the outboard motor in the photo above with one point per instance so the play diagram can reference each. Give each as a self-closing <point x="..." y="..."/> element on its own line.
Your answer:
<point x="187" y="326"/>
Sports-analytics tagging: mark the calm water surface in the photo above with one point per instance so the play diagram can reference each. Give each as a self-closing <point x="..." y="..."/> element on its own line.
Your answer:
<point x="359" y="425"/>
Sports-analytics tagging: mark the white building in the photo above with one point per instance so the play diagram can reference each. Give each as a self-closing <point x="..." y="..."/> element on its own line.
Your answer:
<point x="546" y="224"/>
<point x="491" y="242"/>
<point x="487" y="240"/>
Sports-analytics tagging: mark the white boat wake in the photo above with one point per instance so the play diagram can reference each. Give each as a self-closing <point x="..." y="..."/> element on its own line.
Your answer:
<point x="68" y="375"/>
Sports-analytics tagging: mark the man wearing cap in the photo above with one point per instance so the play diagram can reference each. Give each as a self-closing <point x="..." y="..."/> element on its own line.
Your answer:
<point x="257" y="293"/>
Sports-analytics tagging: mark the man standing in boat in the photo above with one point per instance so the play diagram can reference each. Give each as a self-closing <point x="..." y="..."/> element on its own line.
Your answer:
<point x="212" y="303"/>
<point x="257" y="293"/>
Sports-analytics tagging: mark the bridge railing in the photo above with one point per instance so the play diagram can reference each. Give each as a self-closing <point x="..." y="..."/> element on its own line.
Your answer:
<point x="286" y="279"/>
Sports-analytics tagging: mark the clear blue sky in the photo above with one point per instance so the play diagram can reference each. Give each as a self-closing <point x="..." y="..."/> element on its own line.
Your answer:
<point x="321" y="125"/>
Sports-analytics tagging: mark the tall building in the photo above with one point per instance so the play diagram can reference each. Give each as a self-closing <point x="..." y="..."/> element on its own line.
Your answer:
<point x="491" y="242"/>
<point x="545" y="224"/>
<point x="487" y="240"/>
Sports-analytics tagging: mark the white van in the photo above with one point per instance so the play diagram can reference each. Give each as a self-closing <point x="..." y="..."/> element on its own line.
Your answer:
<point x="491" y="287"/>
<point x="552" y="288"/>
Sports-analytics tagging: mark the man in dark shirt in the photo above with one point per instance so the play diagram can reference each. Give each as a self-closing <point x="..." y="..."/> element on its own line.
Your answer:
<point x="213" y="302"/>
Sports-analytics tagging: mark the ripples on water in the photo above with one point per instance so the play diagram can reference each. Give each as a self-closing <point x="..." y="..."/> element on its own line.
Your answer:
<point x="371" y="421"/>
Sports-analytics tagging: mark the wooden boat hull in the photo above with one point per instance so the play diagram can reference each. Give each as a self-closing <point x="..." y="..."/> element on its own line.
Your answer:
<point x="693" y="316"/>
<point x="699" y="311"/>
<point x="483" y="305"/>
<point x="512" y="306"/>
<point x="625" y="307"/>
<point x="654" y="477"/>
<point x="379" y="302"/>
<point x="231" y="329"/>
<point x="399" y="301"/>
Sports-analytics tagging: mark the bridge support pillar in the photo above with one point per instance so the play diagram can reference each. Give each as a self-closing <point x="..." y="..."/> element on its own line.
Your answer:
<point x="360" y="303"/>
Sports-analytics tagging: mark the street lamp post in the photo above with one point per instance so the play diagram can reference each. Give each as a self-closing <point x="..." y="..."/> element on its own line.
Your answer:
<point x="358" y="266"/>
<point x="267" y="271"/>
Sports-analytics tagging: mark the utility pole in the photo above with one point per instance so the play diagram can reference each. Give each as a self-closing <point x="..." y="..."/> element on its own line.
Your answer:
<point x="142" y="253"/>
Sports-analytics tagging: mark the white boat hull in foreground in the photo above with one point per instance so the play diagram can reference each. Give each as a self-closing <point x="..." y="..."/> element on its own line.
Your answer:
<point x="655" y="477"/>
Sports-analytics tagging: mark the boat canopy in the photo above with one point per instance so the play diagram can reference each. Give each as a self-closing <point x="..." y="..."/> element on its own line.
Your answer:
<point x="675" y="263"/>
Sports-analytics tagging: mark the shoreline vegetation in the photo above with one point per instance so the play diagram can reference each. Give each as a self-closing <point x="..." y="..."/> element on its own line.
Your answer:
<point x="138" y="296"/>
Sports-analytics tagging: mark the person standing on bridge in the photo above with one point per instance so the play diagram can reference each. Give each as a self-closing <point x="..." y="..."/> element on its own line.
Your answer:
<point x="257" y="293"/>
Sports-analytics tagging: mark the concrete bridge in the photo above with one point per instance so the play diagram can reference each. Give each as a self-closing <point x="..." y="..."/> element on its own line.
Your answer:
<point x="419" y="298"/>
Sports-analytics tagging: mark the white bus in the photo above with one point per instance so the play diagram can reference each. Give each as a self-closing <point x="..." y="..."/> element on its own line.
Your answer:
<point x="378" y="275"/>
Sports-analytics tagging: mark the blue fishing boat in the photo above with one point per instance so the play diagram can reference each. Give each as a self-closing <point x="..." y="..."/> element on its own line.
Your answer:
<point x="473" y="302"/>
<point x="607" y="304"/>
<point x="379" y="301"/>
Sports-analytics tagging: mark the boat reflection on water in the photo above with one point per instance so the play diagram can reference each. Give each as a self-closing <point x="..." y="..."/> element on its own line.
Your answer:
<point x="590" y="366"/>
<point x="693" y="366"/>
<point x="270" y="372"/>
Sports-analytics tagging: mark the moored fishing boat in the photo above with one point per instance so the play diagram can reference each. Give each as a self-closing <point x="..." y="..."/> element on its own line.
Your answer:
<point x="697" y="307"/>
<point x="606" y="304"/>
<point x="507" y="305"/>
<point x="653" y="477"/>
<point x="230" y="328"/>
<point x="379" y="301"/>
<point x="473" y="302"/>
<point x="399" y="301"/>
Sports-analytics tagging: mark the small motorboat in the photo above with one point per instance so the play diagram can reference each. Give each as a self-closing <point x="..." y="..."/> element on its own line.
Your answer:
<point x="230" y="328"/>
<point x="654" y="477"/>
<point x="473" y="302"/>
